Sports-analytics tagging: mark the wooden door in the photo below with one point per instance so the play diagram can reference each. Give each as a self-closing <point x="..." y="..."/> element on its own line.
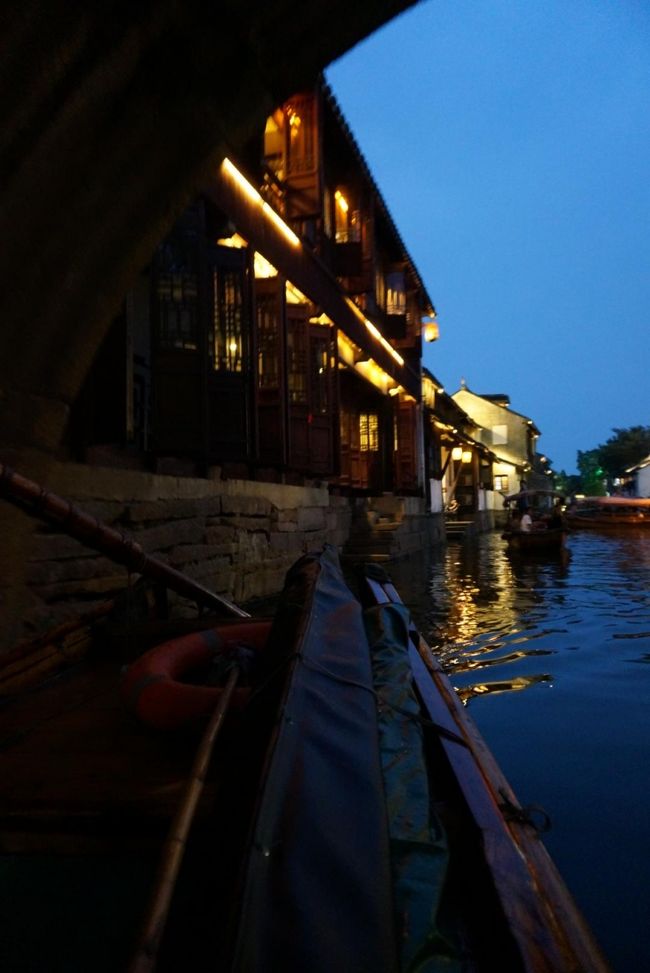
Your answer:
<point x="405" y="456"/>
<point x="310" y="368"/>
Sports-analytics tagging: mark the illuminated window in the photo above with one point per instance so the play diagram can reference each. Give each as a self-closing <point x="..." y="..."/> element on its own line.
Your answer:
<point x="501" y="483"/>
<point x="300" y="142"/>
<point x="368" y="432"/>
<point x="499" y="435"/>
<point x="347" y="221"/>
<point x="289" y="138"/>
<point x="274" y="143"/>
<point x="395" y="292"/>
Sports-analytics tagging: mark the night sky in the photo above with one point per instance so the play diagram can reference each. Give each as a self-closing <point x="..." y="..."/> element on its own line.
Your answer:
<point x="511" y="142"/>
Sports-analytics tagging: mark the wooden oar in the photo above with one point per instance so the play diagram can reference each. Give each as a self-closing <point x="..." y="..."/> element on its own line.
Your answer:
<point x="119" y="547"/>
<point x="146" y="954"/>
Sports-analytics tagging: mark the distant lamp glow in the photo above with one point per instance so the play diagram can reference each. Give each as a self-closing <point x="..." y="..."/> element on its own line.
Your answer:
<point x="431" y="330"/>
<point x="232" y="347"/>
<point x="457" y="453"/>
<point x="467" y="456"/>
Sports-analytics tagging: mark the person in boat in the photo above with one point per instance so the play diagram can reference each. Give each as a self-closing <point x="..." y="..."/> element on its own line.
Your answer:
<point x="525" y="521"/>
<point x="557" y="517"/>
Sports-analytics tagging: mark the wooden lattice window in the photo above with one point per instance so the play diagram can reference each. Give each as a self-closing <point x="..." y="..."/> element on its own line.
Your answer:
<point x="369" y="432"/>
<point x="297" y="362"/>
<point x="319" y="375"/>
<point x="268" y="343"/>
<point x="178" y="309"/>
<point x="227" y="349"/>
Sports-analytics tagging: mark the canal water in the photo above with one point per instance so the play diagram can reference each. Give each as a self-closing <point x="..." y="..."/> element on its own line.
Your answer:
<point x="553" y="661"/>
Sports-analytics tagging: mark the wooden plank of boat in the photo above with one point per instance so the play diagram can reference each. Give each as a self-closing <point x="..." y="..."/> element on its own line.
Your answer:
<point x="549" y="930"/>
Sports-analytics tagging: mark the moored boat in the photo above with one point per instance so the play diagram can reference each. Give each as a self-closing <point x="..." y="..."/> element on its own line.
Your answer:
<point x="340" y="812"/>
<point x="609" y="512"/>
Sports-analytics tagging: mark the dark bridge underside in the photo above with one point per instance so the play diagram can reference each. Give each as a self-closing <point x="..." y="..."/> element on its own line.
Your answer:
<point x="113" y="113"/>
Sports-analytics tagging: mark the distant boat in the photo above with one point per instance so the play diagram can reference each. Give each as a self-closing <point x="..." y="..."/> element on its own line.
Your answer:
<point x="599" y="512"/>
<point x="548" y="533"/>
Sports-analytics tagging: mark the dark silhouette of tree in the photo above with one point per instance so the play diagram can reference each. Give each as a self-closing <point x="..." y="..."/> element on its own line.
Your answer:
<point x="624" y="449"/>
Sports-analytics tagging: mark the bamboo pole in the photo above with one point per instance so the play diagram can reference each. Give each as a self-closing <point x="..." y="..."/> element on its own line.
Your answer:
<point x="121" y="548"/>
<point x="146" y="954"/>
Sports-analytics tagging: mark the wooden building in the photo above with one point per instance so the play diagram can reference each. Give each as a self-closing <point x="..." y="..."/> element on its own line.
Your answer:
<point x="276" y="332"/>
<point x="512" y="438"/>
<point x="459" y="465"/>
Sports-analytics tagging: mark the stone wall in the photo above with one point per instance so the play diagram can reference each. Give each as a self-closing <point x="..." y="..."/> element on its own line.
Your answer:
<point x="237" y="538"/>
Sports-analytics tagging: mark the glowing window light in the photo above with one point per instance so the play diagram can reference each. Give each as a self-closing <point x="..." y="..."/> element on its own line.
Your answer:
<point x="341" y="201"/>
<point x="466" y="456"/>
<point x="457" y="453"/>
<point x="255" y="197"/>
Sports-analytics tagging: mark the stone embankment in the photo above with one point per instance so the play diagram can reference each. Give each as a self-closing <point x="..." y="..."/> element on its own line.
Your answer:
<point x="237" y="538"/>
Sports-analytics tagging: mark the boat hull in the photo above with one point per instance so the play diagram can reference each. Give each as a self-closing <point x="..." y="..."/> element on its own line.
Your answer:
<point x="545" y="541"/>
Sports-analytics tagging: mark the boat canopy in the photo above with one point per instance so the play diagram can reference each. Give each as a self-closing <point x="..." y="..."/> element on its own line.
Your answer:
<point x="530" y="496"/>
<point x="613" y="501"/>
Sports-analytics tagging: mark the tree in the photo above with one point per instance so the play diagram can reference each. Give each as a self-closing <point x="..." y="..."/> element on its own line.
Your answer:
<point x="624" y="449"/>
<point x="592" y="475"/>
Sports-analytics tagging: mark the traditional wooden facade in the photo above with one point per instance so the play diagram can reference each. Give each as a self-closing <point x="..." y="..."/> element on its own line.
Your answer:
<point x="276" y="332"/>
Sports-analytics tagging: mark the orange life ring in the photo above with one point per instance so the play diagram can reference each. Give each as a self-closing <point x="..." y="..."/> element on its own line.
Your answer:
<point x="152" y="686"/>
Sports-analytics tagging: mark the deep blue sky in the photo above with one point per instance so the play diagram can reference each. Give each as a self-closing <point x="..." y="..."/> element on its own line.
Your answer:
<point x="511" y="142"/>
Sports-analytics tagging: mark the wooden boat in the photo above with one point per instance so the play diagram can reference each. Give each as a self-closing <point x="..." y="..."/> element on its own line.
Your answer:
<point x="541" y="540"/>
<point x="344" y="814"/>
<point x="608" y="512"/>
<point x="548" y="534"/>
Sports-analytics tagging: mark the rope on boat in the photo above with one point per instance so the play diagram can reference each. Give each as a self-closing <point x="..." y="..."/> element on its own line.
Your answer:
<point x="531" y="814"/>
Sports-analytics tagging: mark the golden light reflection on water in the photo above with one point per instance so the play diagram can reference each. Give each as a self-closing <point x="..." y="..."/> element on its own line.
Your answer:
<point x="501" y="686"/>
<point x="479" y="602"/>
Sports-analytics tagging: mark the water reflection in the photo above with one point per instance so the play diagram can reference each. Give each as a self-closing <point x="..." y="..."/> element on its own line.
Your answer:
<point x="479" y="607"/>
<point x="501" y="686"/>
<point x="482" y="604"/>
<point x="576" y="637"/>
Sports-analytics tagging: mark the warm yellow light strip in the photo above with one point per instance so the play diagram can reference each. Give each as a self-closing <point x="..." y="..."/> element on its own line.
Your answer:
<point x="255" y="197"/>
<point x="375" y="332"/>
